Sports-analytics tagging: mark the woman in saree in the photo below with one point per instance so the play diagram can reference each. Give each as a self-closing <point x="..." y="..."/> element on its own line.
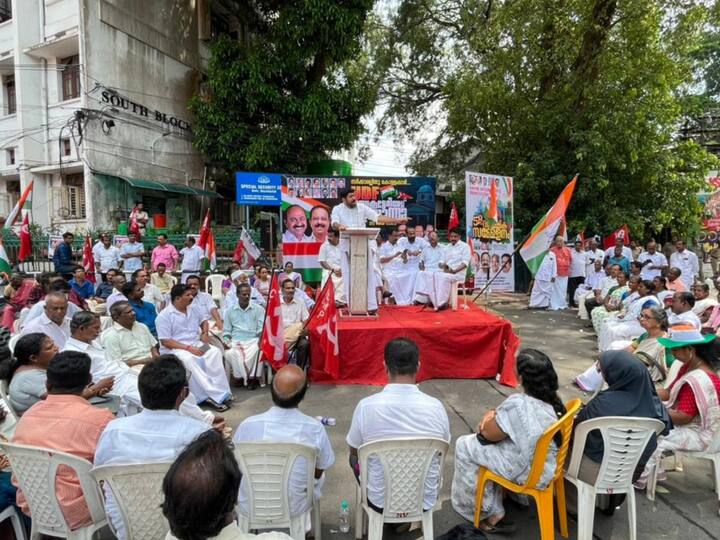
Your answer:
<point x="612" y="303"/>
<point x="691" y="399"/>
<point x="505" y="441"/>
<point x="626" y="326"/>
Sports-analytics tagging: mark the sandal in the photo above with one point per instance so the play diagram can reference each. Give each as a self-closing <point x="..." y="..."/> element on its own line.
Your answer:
<point x="503" y="526"/>
<point x="215" y="405"/>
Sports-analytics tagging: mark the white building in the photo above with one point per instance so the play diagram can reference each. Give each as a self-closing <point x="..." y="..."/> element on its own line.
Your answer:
<point x="93" y="108"/>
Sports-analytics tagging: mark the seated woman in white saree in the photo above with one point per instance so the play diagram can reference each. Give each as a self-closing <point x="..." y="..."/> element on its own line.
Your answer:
<point x="505" y="441"/>
<point x="691" y="399"/>
<point x="613" y="301"/>
<point x="703" y="301"/>
<point x="626" y="326"/>
<point x="661" y="291"/>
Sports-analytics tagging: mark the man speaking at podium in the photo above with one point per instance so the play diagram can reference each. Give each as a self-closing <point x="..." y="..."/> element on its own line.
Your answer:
<point x="352" y="215"/>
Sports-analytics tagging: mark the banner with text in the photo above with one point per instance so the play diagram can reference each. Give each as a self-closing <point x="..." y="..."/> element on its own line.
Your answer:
<point x="307" y="202"/>
<point x="489" y="228"/>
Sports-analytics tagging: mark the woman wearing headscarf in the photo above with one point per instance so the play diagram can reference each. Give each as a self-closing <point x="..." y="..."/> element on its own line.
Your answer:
<point x="692" y="399"/>
<point x="630" y="393"/>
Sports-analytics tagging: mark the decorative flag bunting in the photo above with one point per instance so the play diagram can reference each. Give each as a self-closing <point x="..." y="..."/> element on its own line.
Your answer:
<point x="454" y="220"/>
<point x="543" y="233"/>
<point x="15" y="213"/>
<point x="492" y="212"/>
<point x="88" y="259"/>
<point x="246" y="252"/>
<point x="323" y="322"/>
<point x="25" y="240"/>
<point x="622" y="232"/>
<point x="272" y="343"/>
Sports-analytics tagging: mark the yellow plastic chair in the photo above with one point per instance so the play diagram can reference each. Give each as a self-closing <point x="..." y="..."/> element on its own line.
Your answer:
<point x="543" y="497"/>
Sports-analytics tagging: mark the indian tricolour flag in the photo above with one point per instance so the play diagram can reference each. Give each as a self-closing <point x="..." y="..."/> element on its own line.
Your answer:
<point x="543" y="233"/>
<point x="5" y="265"/>
<point x="304" y="256"/>
<point x="386" y="192"/>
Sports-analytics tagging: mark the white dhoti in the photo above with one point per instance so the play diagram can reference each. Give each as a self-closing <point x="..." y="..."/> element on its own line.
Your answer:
<point x="207" y="374"/>
<point x="615" y="330"/>
<point x="582" y="310"/>
<point x="541" y="293"/>
<point x="243" y="358"/>
<point x="338" y="285"/>
<point x="558" y="296"/>
<point x="372" y="303"/>
<point x="402" y="286"/>
<point x="435" y="287"/>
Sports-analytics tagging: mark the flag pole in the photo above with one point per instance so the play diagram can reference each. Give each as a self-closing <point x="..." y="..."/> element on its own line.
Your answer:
<point x="262" y="355"/>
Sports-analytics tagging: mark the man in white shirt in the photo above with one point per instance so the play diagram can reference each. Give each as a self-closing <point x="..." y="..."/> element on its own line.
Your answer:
<point x="127" y="339"/>
<point x="435" y="287"/>
<point x="351" y="214"/>
<point x="431" y="258"/>
<point x="294" y="315"/>
<point x="132" y="254"/>
<point x="400" y="410"/>
<point x="330" y="258"/>
<point x="203" y="303"/>
<point x="626" y="251"/>
<point x="116" y="295"/>
<point x="653" y="262"/>
<point x="295" y="225"/>
<point x="592" y="254"/>
<point x="592" y="282"/>
<point x="191" y="255"/>
<point x="284" y="423"/>
<point x="682" y="310"/>
<point x="577" y="271"/>
<point x="241" y="277"/>
<point x="184" y="332"/>
<point x="151" y="293"/>
<point x="158" y="433"/>
<point x="57" y="285"/>
<point x="542" y="289"/>
<point x="414" y="247"/>
<point x="106" y="256"/>
<point x="394" y="260"/>
<point x="53" y="322"/>
<point x="687" y="262"/>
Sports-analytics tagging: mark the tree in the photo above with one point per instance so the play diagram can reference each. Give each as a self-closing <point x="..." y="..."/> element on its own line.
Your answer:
<point x="293" y="92"/>
<point x="543" y="89"/>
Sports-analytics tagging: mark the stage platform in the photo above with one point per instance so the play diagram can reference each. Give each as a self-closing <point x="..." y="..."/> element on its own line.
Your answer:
<point x="462" y="344"/>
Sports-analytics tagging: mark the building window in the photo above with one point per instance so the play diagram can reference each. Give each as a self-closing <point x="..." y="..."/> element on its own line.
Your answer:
<point x="74" y="196"/>
<point x="5" y="10"/>
<point x="65" y="147"/>
<point x="10" y="156"/>
<point x="70" y="77"/>
<point x="9" y="88"/>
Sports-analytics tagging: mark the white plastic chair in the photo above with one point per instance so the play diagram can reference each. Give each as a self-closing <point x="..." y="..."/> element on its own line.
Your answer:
<point x="17" y="524"/>
<point x="624" y="441"/>
<point x="405" y="464"/>
<point x="35" y="469"/>
<point x="266" y="469"/>
<point x="213" y="285"/>
<point x="137" y="489"/>
<point x="7" y="428"/>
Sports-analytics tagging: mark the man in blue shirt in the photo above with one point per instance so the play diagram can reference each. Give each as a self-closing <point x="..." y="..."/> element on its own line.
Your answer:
<point x="82" y="287"/>
<point x="105" y="288"/>
<point x="144" y="311"/>
<point x="63" y="257"/>
<point x="620" y="260"/>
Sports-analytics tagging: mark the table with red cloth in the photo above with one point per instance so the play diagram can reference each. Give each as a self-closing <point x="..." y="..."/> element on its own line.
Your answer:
<point x="454" y="344"/>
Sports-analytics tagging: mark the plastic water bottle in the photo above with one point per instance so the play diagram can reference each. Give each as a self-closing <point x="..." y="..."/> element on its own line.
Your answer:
<point x="326" y="420"/>
<point x="344" y="517"/>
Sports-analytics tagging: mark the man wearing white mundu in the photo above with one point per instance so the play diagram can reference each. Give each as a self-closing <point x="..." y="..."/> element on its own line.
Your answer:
<point x="348" y="215"/>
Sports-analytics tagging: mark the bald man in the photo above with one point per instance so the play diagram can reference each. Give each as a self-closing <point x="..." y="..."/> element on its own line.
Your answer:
<point x="284" y="423"/>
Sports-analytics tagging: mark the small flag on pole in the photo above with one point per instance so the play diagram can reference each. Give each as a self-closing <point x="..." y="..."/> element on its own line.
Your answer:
<point x="492" y="212"/>
<point x="25" y="240"/>
<point x="15" y="213"/>
<point x="454" y="220"/>
<point x="89" y="259"/>
<point x="5" y="266"/>
<point x="272" y="343"/>
<point x="323" y="322"/>
<point x="246" y="252"/>
<point x="206" y="242"/>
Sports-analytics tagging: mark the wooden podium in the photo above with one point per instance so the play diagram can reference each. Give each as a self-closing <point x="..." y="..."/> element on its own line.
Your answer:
<point x="361" y="280"/>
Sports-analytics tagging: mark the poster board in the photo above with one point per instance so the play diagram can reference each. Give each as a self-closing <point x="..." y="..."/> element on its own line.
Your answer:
<point x="491" y="239"/>
<point x="307" y="202"/>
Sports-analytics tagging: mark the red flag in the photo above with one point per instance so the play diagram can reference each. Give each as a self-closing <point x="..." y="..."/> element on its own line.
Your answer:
<point x="622" y="232"/>
<point x="25" y="240"/>
<point x="492" y="212"/>
<point x="323" y="322"/>
<point x="246" y="252"/>
<point x="454" y="220"/>
<point x="134" y="225"/>
<point x="204" y="231"/>
<point x="272" y="343"/>
<point x="88" y="260"/>
<point x="580" y="237"/>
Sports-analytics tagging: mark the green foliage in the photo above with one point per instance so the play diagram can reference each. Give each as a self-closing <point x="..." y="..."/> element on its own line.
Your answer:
<point x="294" y="92"/>
<point x="543" y="89"/>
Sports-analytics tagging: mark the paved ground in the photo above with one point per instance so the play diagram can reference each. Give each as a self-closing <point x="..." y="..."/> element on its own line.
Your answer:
<point x="688" y="508"/>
